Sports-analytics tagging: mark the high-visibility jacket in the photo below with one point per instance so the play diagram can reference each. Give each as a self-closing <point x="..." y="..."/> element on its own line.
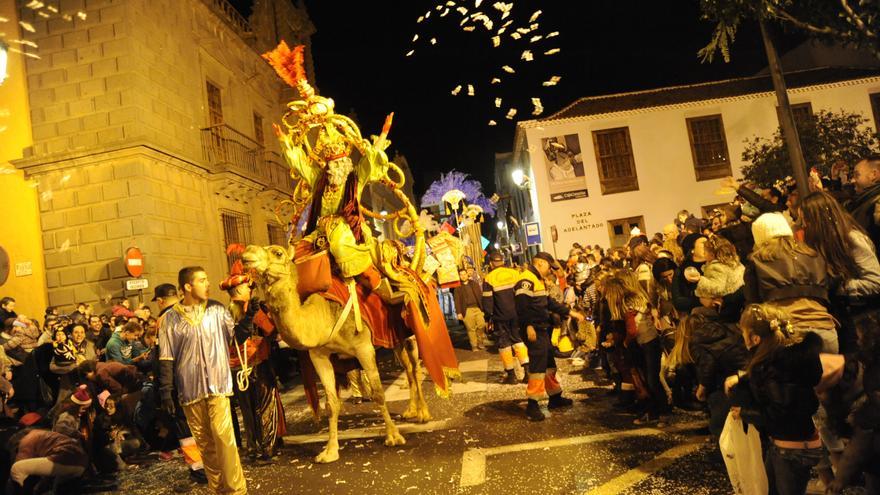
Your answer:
<point x="498" y="298"/>
<point x="533" y="303"/>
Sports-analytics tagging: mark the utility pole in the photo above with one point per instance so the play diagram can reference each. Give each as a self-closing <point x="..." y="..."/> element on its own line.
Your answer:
<point x="786" y="119"/>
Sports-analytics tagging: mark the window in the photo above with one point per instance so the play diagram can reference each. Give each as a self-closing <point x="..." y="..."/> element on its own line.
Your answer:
<point x="215" y="104"/>
<point x="614" y="156"/>
<point x="619" y="230"/>
<point x="803" y="113"/>
<point x="708" y="209"/>
<point x="709" y="147"/>
<point x="258" y="129"/>
<point x="277" y="235"/>
<point x="236" y="229"/>
<point x="875" y="107"/>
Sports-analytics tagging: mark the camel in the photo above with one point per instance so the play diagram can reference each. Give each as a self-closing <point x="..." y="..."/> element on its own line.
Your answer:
<point x="309" y="326"/>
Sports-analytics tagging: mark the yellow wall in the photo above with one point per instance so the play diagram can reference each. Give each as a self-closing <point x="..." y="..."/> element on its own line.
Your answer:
<point x="21" y="237"/>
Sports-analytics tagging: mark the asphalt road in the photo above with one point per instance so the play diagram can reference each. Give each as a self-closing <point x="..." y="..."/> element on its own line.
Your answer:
<point x="479" y="442"/>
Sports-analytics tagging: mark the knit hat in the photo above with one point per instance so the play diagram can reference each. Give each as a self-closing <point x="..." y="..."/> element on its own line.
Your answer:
<point x="81" y="396"/>
<point x="770" y="226"/>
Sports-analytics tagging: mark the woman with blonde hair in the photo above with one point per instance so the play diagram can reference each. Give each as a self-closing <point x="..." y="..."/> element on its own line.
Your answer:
<point x="790" y="276"/>
<point x="776" y="394"/>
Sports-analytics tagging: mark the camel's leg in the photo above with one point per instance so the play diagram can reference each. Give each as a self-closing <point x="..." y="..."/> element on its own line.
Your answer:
<point x="324" y="368"/>
<point x="367" y="357"/>
<point x="412" y="409"/>
<point x="411" y="349"/>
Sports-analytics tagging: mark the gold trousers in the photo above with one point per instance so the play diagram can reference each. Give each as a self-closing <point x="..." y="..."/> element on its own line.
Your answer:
<point x="210" y="421"/>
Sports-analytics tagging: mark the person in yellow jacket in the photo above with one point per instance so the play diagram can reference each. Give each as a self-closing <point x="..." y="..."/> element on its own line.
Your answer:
<point x="533" y="309"/>
<point x="499" y="308"/>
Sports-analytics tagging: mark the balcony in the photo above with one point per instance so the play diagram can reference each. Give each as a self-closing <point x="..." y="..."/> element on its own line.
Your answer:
<point x="226" y="149"/>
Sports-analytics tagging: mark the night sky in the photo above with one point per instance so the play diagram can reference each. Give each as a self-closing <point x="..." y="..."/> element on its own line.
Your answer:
<point x="607" y="46"/>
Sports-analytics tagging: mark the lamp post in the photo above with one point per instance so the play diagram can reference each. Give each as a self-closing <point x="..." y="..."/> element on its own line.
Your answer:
<point x="4" y="60"/>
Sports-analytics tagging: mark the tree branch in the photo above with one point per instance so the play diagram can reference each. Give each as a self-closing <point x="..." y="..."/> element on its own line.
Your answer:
<point x="857" y="20"/>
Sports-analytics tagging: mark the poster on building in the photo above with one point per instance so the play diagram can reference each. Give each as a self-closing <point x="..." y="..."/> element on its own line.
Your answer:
<point x="565" y="167"/>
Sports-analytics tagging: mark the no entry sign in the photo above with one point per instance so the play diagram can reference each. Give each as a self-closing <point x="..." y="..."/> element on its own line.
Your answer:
<point x="134" y="262"/>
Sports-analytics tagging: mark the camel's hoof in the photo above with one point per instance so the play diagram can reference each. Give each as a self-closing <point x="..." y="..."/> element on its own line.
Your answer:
<point x="394" y="439"/>
<point x="327" y="456"/>
<point x="410" y="413"/>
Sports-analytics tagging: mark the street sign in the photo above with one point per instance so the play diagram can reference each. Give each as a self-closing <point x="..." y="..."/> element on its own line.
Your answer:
<point x="533" y="233"/>
<point x="136" y="284"/>
<point x="134" y="262"/>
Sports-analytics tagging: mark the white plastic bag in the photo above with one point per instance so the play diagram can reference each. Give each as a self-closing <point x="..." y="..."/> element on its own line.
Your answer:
<point x="743" y="458"/>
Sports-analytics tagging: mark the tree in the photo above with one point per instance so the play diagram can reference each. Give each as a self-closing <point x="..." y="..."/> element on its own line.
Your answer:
<point x="826" y="139"/>
<point x="853" y="23"/>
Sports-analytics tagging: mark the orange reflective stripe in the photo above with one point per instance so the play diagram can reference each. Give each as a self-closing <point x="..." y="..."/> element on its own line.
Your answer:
<point x="506" y="357"/>
<point x="535" y="389"/>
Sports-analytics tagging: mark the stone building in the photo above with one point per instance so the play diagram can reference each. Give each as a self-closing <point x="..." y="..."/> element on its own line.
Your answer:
<point x="151" y="123"/>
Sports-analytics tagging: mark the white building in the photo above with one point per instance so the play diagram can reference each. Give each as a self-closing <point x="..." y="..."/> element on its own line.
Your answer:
<point x="606" y="164"/>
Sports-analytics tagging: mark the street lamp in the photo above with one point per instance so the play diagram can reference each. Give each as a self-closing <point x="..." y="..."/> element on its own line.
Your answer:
<point x="520" y="179"/>
<point x="4" y="58"/>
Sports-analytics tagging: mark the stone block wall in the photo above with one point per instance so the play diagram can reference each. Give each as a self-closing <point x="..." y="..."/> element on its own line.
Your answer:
<point x="93" y="210"/>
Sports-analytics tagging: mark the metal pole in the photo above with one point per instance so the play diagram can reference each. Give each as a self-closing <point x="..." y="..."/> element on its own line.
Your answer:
<point x="786" y="119"/>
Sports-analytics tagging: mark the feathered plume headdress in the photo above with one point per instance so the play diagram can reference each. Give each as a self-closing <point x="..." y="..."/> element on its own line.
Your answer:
<point x="290" y="66"/>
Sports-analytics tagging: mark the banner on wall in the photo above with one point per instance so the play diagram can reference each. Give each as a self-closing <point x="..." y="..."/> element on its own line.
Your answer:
<point x="565" y="167"/>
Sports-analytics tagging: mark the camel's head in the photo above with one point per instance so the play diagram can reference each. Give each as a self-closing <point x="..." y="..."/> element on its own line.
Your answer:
<point x="272" y="262"/>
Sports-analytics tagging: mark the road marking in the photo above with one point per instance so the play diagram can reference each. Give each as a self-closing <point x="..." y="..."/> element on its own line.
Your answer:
<point x="399" y="390"/>
<point x="369" y="432"/>
<point x="473" y="461"/>
<point x="643" y="471"/>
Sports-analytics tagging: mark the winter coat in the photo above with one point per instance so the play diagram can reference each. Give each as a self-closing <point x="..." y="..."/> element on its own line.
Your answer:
<point x="865" y="211"/>
<point x="867" y="283"/>
<point x="789" y="277"/>
<point x="683" y="297"/>
<point x="740" y="235"/>
<point x="719" y="279"/>
<point x="116" y="377"/>
<point x="59" y="448"/>
<point x="780" y="397"/>
<point x="718" y="352"/>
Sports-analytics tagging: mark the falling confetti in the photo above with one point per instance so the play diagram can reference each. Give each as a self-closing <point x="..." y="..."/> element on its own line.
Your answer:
<point x="456" y="90"/>
<point x="536" y="38"/>
<point x="477" y="3"/>
<point x="470" y="90"/>
<point x="511" y="114"/>
<point x="552" y="51"/>
<point x="539" y="107"/>
<point x="27" y="26"/>
<point x="35" y="5"/>
<point x="433" y="41"/>
<point x="462" y="10"/>
<point x="46" y="195"/>
<point x="496" y="41"/>
<point x="527" y="56"/>
<point x="508" y="69"/>
<point x="409" y="53"/>
<point x="515" y="35"/>
<point x="65" y="178"/>
<point x="81" y="15"/>
<point x="415" y="38"/>
<point x="535" y="16"/>
<point x="552" y="35"/>
<point x="420" y="19"/>
<point x="468" y="28"/>
<point x="64" y="246"/>
<point x="495" y="80"/>
<point x="552" y="82"/>
<point x="497" y="102"/>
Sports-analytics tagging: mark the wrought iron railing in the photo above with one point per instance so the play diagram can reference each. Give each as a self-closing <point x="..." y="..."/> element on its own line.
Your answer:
<point x="228" y="13"/>
<point x="225" y="148"/>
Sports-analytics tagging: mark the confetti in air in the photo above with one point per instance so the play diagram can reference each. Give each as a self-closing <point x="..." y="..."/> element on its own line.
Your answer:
<point x="27" y="26"/>
<point x="64" y="246"/>
<point x="514" y="56"/>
